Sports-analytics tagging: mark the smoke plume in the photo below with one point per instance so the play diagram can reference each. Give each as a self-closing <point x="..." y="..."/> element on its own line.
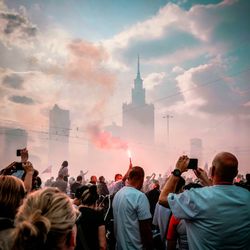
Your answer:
<point x="104" y="139"/>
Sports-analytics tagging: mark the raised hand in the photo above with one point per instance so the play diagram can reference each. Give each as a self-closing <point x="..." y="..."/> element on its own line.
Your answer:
<point x="202" y="176"/>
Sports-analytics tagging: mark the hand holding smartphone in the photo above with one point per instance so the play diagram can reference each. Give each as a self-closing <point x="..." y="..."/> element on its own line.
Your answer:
<point x="193" y="163"/>
<point x="23" y="153"/>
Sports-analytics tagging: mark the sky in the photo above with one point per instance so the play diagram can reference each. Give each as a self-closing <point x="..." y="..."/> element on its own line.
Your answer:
<point x="82" y="55"/>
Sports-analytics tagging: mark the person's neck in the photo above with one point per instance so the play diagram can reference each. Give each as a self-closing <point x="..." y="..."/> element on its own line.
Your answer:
<point x="133" y="185"/>
<point x="220" y="182"/>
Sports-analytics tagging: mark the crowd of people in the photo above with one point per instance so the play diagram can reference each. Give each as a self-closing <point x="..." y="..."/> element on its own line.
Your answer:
<point x="133" y="212"/>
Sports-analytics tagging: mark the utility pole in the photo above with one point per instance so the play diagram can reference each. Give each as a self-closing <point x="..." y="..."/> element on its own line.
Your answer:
<point x="168" y="117"/>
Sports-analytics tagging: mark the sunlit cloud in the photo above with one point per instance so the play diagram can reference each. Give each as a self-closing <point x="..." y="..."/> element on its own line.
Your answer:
<point x="153" y="79"/>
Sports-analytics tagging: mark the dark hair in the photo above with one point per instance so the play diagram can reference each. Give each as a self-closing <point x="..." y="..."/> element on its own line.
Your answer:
<point x="192" y="185"/>
<point x="136" y="173"/>
<point x="248" y="177"/>
<point x="65" y="164"/>
<point x="88" y="195"/>
<point x="101" y="178"/>
<point x="79" y="178"/>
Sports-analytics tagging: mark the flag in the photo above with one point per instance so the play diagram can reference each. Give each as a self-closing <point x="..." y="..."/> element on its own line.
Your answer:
<point x="47" y="170"/>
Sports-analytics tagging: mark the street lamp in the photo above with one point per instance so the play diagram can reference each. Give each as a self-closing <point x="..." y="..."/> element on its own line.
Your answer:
<point x="167" y="117"/>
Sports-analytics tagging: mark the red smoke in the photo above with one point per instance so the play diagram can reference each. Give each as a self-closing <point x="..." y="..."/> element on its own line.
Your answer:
<point x="104" y="139"/>
<point x="85" y="64"/>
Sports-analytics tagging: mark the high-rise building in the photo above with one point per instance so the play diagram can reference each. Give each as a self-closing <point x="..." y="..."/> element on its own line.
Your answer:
<point x="11" y="139"/>
<point x="59" y="130"/>
<point x="138" y="116"/>
<point x="196" y="149"/>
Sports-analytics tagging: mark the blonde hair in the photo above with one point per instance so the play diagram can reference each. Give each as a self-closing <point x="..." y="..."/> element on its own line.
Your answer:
<point x="44" y="221"/>
<point x="12" y="192"/>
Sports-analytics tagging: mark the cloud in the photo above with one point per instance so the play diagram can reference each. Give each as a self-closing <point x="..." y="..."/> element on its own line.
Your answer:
<point x="22" y="99"/>
<point x="153" y="80"/>
<point x="16" y="29"/>
<point x="205" y="90"/>
<point x="13" y="81"/>
<point x="177" y="69"/>
<point x="86" y="64"/>
<point x="175" y="35"/>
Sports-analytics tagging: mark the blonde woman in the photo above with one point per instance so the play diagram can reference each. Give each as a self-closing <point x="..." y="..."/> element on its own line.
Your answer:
<point x="46" y="220"/>
<point x="12" y="193"/>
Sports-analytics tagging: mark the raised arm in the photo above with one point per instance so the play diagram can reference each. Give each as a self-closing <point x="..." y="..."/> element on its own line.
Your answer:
<point x="28" y="168"/>
<point x="203" y="177"/>
<point x="125" y="177"/>
<point x="170" y="185"/>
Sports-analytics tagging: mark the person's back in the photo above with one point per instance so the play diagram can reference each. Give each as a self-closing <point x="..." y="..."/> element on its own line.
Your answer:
<point x="217" y="216"/>
<point x="77" y="184"/>
<point x="60" y="183"/>
<point x="102" y="187"/>
<point x="223" y="213"/>
<point x="64" y="171"/>
<point x="153" y="196"/>
<point x="132" y="214"/>
<point x="90" y="225"/>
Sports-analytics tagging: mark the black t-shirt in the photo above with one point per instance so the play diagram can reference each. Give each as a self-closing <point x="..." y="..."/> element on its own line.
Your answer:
<point x="89" y="222"/>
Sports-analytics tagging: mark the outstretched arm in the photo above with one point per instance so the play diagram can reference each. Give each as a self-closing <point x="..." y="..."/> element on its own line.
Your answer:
<point x="84" y="173"/>
<point x="125" y="177"/>
<point x="170" y="185"/>
<point x="29" y="170"/>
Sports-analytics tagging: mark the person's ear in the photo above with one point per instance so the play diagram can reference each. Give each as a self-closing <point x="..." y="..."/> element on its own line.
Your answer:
<point x="212" y="171"/>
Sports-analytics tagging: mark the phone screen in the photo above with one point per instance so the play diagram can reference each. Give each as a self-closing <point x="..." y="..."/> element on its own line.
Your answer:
<point x="18" y="152"/>
<point x="19" y="173"/>
<point x="193" y="164"/>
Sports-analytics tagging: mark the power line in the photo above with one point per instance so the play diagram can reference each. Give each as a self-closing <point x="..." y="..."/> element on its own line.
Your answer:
<point x="184" y="91"/>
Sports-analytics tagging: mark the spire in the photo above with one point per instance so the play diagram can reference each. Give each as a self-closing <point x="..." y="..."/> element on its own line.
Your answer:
<point x="138" y="68"/>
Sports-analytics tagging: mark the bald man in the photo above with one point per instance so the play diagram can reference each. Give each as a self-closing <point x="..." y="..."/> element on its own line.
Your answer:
<point x="217" y="216"/>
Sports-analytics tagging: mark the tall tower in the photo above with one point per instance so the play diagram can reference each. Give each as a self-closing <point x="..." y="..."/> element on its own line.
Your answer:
<point x="59" y="128"/>
<point x="138" y="116"/>
<point x="11" y="139"/>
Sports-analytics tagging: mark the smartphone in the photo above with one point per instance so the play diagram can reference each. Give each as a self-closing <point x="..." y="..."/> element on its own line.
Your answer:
<point x="18" y="152"/>
<point x="18" y="166"/>
<point x="193" y="163"/>
<point x="18" y="170"/>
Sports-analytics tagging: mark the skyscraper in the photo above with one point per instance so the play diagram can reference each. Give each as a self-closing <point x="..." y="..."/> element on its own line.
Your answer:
<point x="11" y="139"/>
<point x="59" y="128"/>
<point x="138" y="116"/>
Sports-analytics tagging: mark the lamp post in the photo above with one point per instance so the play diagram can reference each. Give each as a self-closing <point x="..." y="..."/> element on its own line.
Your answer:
<point x="168" y="117"/>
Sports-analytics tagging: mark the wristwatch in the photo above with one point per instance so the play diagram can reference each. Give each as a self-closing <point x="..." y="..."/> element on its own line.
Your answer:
<point x="177" y="172"/>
